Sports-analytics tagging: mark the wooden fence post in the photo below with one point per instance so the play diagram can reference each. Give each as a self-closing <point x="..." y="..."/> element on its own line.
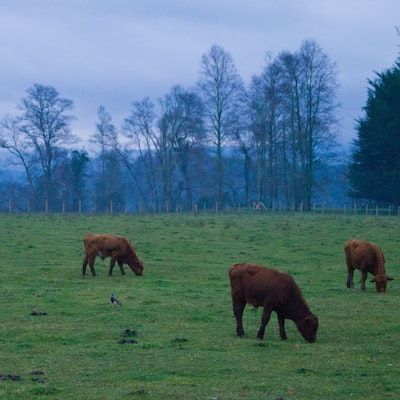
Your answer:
<point x="366" y="209"/>
<point x="9" y="206"/>
<point x="28" y="207"/>
<point x="355" y="209"/>
<point x="344" y="208"/>
<point x="377" y="211"/>
<point x="111" y="207"/>
<point x="46" y="206"/>
<point x="80" y="206"/>
<point x="63" y="207"/>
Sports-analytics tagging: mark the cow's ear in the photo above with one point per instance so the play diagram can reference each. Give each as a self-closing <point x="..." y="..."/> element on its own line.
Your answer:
<point x="373" y="280"/>
<point x="307" y="321"/>
<point x="389" y="278"/>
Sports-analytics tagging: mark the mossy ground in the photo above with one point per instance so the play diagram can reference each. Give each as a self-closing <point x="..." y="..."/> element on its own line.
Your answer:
<point x="181" y="309"/>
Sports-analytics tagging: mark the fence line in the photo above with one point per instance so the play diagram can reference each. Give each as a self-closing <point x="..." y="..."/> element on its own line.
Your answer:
<point x="256" y="207"/>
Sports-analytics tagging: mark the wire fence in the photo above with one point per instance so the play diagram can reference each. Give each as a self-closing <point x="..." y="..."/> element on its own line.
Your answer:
<point x="203" y="208"/>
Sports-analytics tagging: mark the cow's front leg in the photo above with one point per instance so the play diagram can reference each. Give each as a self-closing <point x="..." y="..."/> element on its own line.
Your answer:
<point x="281" y="321"/>
<point x="112" y="263"/>
<point x="238" y="308"/>
<point x="350" y="282"/>
<point x="121" y="267"/>
<point x="264" y="321"/>
<point x="363" y="279"/>
<point x="84" y="264"/>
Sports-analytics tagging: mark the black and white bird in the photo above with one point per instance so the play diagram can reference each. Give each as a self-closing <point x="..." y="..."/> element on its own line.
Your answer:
<point x="115" y="300"/>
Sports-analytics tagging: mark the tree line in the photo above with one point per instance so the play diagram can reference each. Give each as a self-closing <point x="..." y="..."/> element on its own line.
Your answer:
<point x="219" y="142"/>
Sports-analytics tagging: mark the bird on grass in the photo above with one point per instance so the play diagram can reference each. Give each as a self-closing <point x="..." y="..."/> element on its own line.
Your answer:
<point x="115" y="300"/>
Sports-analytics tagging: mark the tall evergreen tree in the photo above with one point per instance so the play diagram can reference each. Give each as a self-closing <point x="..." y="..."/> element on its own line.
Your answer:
<point x="375" y="167"/>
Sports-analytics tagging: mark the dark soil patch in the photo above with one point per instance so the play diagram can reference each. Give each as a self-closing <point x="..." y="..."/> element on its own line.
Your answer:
<point x="10" y="377"/>
<point x="127" y="341"/>
<point x="180" y="340"/>
<point x="38" y="313"/>
<point x="129" y="332"/>
<point x="37" y="372"/>
<point x="39" y="379"/>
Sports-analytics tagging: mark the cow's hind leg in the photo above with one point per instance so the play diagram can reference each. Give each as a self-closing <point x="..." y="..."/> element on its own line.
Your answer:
<point x="363" y="279"/>
<point x="84" y="265"/>
<point x="238" y="308"/>
<point x="264" y="321"/>
<point x="121" y="267"/>
<point x="281" y="321"/>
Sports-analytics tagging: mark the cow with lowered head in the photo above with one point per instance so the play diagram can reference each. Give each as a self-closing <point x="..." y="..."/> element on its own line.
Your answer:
<point x="118" y="248"/>
<point x="367" y="257"/>
<point x="274" y="291"/>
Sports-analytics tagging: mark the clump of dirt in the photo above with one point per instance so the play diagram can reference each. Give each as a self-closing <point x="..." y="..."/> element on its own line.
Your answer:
<point x="129" y="332"/>
<point x="39" y="379"/>
<point x="38" y="376"/>
<point x="37" y="372"/>
<point x="137" y="391"/>
<point x="180" y="339"/>
<point x="127" y="341"/>
<point x="38" y="313"/>
<point x="10" y="377"/>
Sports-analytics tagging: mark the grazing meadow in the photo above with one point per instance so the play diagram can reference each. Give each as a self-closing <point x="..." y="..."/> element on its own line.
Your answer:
<point x="179" y="314"/>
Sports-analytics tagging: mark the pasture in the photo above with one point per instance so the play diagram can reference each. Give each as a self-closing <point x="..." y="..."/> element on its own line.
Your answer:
<point x="181" y="310"/>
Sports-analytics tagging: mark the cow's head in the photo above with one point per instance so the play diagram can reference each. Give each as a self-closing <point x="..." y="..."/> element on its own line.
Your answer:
<point x="308" y="327"/>
<point x="380" y="282"/>
<point x="137" y="267"/>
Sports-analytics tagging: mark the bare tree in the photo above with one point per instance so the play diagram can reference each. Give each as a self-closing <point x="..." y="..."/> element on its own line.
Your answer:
<point x="45" y="121"/>
<point x="109" y="185"/>
<point x="264" y="103"/>
<point x="310" y="82"/>
<point x="139" y="129"/>
<point x="182" y="120"/>
<point x="102" y="138"/>
<point x="221" y="89"/>
<point x="320" y="78"/>
<point x="13" y="139"/>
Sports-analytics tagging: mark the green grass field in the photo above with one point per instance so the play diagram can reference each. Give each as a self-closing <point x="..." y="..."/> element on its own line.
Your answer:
<point x="181" y="309"/>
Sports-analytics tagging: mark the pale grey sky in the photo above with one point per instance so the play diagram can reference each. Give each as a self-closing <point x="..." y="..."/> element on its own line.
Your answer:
<point x="118" y="51"/>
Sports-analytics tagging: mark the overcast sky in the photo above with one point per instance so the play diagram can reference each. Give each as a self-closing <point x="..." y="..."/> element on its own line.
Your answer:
<point x="118" y="51"/>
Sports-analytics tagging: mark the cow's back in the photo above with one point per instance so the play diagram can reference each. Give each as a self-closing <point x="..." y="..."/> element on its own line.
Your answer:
<point x="104" y="243"/>
<point x="364" y="255"/>
<point x="260" y="285"/>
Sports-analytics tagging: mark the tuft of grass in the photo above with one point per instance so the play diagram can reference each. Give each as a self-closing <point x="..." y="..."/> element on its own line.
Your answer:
<point x="181" y="310"/>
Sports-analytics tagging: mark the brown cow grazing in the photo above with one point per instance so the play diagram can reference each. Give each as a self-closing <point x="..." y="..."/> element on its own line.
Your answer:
<point x="274" y="291"/>
<point x="367" y="257"/>
<point x="118" y="248"/>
